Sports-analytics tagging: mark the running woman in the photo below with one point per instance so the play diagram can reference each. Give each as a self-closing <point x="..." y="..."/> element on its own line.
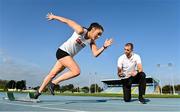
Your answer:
<point x="65" y="53"/>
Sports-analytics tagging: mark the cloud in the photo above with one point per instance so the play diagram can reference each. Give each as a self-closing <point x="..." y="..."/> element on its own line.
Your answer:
<point x="18" y="69"/>
<point x="15" y="69"/>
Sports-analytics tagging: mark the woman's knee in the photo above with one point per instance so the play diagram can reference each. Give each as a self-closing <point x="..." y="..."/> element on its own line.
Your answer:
<point x="76" y="72"/>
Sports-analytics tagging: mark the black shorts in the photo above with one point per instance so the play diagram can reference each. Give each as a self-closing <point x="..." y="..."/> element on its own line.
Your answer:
<point x="61" y="54"/>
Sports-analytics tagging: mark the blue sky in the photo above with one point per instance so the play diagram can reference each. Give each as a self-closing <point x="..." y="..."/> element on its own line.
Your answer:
<point x="28" y="41"/>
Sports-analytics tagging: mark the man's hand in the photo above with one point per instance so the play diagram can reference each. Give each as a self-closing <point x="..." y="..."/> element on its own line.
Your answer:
<point x="121" y="75"/>
<point x="132" y="73"/>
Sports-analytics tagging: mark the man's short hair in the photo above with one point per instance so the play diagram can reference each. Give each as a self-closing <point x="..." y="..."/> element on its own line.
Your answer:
<point x="130" y="44"/>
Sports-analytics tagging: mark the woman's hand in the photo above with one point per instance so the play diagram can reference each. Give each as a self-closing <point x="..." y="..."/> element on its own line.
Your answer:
<point x="50" y="16"/>
<point x="108" y="42"/>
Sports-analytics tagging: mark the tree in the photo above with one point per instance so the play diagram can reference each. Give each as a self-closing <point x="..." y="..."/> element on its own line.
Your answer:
<point x="167" y="89"/>
<point x="95" y="88"/>
<point x="11" y="84"/>
<point x="4" y="84"/>
<point x="177" y="88"/>
<point x="69" y="87"/>
<point x="21" y="85"/>
<point x="76" y="89"/>
<point x="57" y="88"/>
<point x="85" y="89"/>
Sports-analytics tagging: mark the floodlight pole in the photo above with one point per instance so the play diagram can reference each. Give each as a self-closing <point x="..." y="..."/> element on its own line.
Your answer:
<point x="172" y="78"/>
<point x="158" y="66"/>
<point x="95" y="82"/>
<point x="89" y="82"/>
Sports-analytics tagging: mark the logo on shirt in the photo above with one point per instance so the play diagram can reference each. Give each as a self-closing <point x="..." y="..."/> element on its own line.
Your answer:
<point x="78" y="40"/>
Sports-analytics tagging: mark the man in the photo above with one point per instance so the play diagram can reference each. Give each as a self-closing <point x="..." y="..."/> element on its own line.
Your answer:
<point x="131" y="71"/>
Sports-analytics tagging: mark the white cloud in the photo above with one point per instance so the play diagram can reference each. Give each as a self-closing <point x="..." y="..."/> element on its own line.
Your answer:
<point x="11" y="69"/>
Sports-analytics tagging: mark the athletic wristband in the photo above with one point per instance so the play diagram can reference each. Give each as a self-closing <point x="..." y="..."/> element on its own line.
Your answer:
<point x="104" y="47"/>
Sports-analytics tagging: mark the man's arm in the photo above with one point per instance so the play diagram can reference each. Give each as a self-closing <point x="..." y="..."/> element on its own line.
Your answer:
<point x="139" y="67"/>
<point x="139" y="64"/>
<point x="96" y="52"/>
<point x="78" y="29"/>
<point x="120" y="72"/>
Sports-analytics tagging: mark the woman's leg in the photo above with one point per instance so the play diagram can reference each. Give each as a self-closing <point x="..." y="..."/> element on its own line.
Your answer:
<point x="58" y="67"/>
<point x="73" y="67"/>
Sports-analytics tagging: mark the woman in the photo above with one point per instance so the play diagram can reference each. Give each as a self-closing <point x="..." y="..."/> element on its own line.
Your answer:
<point x="80" y="38"/>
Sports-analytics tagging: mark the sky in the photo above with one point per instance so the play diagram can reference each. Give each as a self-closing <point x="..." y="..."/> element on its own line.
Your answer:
<point x="28" y="42"/>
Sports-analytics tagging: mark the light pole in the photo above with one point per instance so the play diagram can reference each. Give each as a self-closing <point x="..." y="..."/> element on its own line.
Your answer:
<point x="89" y="82"/>
<point x="172" y="77"/>
<point x="158" y="66"/>
<point x="95" y="82"/>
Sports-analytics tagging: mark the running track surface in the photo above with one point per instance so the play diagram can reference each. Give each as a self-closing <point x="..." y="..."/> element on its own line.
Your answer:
<point x="90" y="104"/>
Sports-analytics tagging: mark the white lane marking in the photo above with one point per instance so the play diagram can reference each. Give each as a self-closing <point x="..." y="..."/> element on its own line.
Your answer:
<point x="71" y="110"/>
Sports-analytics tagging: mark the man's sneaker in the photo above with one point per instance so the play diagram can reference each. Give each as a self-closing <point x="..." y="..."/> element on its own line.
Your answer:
<point x="142" y="100"/>
<point x="37" y="94"/>
<point x="51" y="88"/>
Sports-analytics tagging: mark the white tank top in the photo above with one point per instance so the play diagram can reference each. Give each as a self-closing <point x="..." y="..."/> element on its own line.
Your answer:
<point x="75" y="43"/>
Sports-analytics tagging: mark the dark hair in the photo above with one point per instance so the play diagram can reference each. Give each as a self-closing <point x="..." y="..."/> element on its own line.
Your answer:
<point x="130" y="44"/>
<point x="95" y="25"/>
